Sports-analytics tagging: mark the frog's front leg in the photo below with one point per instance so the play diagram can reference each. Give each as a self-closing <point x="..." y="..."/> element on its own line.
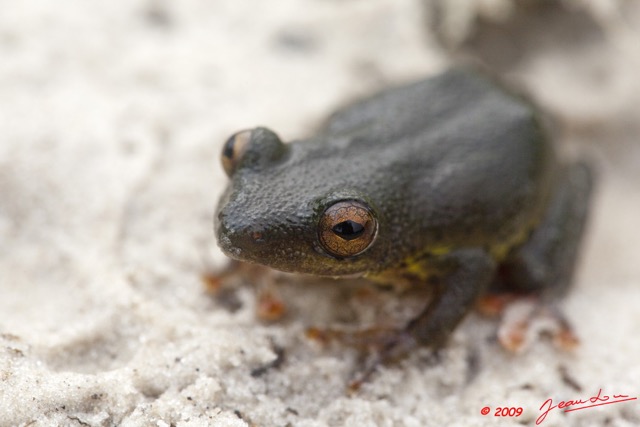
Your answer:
<point x="464" y="275"/>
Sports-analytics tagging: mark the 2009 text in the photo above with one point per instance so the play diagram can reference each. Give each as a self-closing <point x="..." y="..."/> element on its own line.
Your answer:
<point x="508" y="411"/>
<point x="503" y="411"/>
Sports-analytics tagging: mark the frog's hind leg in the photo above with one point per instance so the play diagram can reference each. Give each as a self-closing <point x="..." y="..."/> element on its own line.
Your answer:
<point x="546" y="261"/>
<point x="542" y="268"/>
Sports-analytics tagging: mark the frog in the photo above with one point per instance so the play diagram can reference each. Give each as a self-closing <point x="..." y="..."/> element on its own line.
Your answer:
<point x="452" y="182"/>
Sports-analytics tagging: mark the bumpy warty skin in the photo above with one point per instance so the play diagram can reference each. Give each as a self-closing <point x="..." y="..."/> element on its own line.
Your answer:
<point x="451" y="161"/>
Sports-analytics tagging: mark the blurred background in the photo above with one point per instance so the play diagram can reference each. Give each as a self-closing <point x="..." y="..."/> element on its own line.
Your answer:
<point x="112" y="115"/>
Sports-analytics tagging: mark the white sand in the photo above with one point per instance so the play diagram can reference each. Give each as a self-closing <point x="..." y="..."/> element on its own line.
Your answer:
<point x="111" y="119"/>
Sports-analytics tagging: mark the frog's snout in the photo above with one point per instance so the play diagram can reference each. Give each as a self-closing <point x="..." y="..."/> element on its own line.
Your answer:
<point x="239" y="240"/>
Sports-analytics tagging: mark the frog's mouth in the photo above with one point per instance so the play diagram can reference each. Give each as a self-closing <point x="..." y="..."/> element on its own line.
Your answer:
<point x="282" y="242"/>
<point x="284" y="254"/>
<point x="349" y="276"/>
<point x="255" y="244"/>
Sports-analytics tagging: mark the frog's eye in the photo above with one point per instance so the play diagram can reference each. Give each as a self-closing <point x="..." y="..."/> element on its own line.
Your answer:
<point x="234" y="149"/>
<point x="347" y="228"/>
<point x="255" y="149"/>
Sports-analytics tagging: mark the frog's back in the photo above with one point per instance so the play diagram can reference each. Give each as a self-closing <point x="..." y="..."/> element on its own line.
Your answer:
<point x="470" y="161"/>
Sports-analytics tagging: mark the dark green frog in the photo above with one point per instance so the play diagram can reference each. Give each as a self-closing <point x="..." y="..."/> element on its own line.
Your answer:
<point x="450" y="183"/>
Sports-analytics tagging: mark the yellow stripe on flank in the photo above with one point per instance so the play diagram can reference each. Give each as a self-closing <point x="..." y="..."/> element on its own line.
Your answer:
<point x="416" y="265"/>
<point x="442" y="250"/>
<point x="500" y="251"/>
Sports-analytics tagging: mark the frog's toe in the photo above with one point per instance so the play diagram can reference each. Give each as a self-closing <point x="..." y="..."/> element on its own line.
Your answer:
<point x="364" y="340"/>
<point x="527" y="319"/>
<point x="391" y="349"/>
<point x="493" y="305"/>
<point x="377" y="346"/>
<point x="224" y="283"/>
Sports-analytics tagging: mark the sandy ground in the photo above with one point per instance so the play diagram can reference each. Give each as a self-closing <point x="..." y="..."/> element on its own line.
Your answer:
<point x="112" y="115"/>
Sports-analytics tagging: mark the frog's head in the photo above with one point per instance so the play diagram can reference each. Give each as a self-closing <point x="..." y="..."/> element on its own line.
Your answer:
<point x="295" y="211"/>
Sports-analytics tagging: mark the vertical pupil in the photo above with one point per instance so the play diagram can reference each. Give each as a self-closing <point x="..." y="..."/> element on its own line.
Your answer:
<point x="348" y="229"/>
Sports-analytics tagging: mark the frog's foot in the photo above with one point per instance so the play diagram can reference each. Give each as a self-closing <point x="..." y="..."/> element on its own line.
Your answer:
<point x="362" y="340"/>
<point x="223" y="285"/>
<point x="377" y="346"/>
<point x="527" y="318"/>
<point x="394" y="348"/>
<point x="493" y="305"/>
<point x="215" y="282"/>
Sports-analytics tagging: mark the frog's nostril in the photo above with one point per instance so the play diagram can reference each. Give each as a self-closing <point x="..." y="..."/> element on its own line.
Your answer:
<point x="245" y="237"/>
<point x="257" y="236"/>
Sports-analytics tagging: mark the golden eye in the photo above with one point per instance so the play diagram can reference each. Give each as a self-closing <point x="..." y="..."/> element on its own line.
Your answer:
<point x="234" y="149"/>
<point x="347" y="228"/>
